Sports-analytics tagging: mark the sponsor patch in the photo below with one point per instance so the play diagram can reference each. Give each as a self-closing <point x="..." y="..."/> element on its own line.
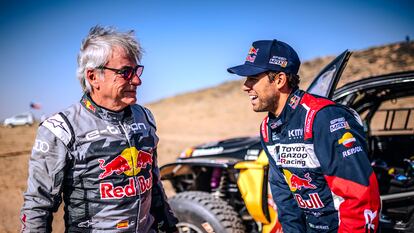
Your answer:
<point x="89" y="105"/>
<point x="251" y="56"/>
<point x="295" y="134"/>
<point x="294" y="101"/>
<point x="351" y="151"/>
<point x="280" y="61"/>
<point x="41" y="146"/>
<point x="339" y="123"/>
<point x="319" y="227"/>
<point x="295" y="182"/>
<point x="86" y="224"/>
<point x="297" y="155"/>
<point x="130" y="162"/>
<point x="313" y="202"/>
<point x="276" y="124"/>
<point x="275" y="137"/>
<point x="57" y="125"/>
<point x="347" y="140"/>
<point x="369" y="218"/>
<point x="109" y="191"/>
<point x="122" y="224"/>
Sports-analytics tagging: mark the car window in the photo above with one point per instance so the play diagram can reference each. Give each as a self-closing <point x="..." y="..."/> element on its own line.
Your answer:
<point x="394" y="116"/>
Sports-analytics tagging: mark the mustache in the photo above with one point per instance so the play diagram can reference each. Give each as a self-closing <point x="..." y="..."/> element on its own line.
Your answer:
<point x="130" y="89"/>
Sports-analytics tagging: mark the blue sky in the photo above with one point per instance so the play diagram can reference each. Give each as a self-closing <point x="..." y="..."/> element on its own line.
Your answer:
<point x="188" y="44"/>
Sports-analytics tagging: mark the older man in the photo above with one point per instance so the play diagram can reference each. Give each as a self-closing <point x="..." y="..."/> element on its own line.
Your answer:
<point x="101" y="153"/>
<point x="320" y="176"/>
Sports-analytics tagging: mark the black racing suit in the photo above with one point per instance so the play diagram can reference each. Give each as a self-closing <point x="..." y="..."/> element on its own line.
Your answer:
<point x="105" y="164"/>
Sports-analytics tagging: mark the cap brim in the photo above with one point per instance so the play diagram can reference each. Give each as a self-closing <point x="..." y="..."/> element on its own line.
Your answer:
<point x="246" y="70"/>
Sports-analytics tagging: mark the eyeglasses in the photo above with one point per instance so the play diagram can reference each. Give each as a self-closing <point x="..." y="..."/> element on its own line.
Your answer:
<point x="126" y="72"/>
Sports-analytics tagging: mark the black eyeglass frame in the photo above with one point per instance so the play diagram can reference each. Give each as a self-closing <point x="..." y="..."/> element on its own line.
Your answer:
<point x="126" y="72"/>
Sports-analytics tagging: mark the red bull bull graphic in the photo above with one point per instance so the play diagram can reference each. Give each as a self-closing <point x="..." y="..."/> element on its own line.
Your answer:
<point x="295" y="182"/>
<point x="129" y="162"/>
<point x="251" y="56"/>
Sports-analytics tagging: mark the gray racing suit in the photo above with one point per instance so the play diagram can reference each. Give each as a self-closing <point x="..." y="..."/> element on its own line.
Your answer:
<point x="105" y="164"/>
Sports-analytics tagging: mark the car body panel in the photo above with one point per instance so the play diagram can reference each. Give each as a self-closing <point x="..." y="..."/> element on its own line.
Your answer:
<point x="20" y="119"/>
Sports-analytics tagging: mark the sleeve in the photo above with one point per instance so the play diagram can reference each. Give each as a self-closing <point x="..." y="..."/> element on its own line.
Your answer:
<point x="341" y="148"/>
<point x="290" y="216"/>
<point x="46" y="174"/>
<point x="165" y="221"/>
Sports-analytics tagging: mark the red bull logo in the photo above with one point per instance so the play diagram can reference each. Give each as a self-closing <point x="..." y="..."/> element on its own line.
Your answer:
<point x="109" y="191"/>
<point x="347" y="140"/>
<point x="314" y="201"/>
<point x="251" y="56"/>
<point x="129" y="162"/>
<point x="295" y="182"/>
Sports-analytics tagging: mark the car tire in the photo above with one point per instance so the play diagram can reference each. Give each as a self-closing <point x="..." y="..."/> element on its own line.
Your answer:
<point x="200" y="212"/>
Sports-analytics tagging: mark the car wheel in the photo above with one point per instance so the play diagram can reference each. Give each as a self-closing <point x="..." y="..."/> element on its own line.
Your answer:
<point x="200" y="212"/>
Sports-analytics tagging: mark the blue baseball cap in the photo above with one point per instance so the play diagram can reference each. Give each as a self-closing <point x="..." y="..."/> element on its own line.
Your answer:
<point x="268" y="55"/>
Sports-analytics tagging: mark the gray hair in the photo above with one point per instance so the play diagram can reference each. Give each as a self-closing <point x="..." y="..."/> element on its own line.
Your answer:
<point x="97" y="47"/>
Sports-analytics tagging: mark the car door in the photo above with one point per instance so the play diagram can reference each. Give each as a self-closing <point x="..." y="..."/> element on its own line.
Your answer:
<point x="325" y="82"/>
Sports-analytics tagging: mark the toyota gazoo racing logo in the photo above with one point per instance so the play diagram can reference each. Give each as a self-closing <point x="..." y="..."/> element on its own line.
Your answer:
<point x="129" y="162"/>
<point x="295" y="182"/>
<point x="347" y="140"/>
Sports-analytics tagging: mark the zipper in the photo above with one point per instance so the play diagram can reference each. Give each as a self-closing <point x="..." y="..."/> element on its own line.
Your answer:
<point x="137" y="187"/>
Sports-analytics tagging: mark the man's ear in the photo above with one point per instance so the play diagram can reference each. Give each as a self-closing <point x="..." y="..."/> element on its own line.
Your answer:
<point x="281" y="80"/>
<point x="92" y="78"/>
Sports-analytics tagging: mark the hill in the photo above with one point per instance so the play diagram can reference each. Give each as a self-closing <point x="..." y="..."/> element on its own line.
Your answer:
<point x="224" y="111"/>
<point x="186" y="120"/>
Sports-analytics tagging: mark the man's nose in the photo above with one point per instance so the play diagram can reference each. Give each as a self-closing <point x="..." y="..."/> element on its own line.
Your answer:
<point x="246" y="86"/>
<point x="136" y="81"/>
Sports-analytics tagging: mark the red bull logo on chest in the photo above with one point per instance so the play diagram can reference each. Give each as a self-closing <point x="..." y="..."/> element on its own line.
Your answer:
<point x="295" y="182"/>
<point x="314" y="201"/>
<point x="129" y="162"/>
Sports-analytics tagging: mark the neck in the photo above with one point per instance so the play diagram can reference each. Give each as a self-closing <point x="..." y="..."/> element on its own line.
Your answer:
<point x="106" y="104"/>
<point x="283" y="97"/>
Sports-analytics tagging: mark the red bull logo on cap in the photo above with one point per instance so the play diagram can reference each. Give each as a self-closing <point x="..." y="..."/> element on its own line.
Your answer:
<point x="295" y="182"/>
<point x="129" y="162"/>
<point x="251" y="56"/>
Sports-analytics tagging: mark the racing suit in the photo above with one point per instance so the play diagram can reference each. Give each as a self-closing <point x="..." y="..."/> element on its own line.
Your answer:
<point x="320" y="176"/>
<point x="105" y="164"/>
